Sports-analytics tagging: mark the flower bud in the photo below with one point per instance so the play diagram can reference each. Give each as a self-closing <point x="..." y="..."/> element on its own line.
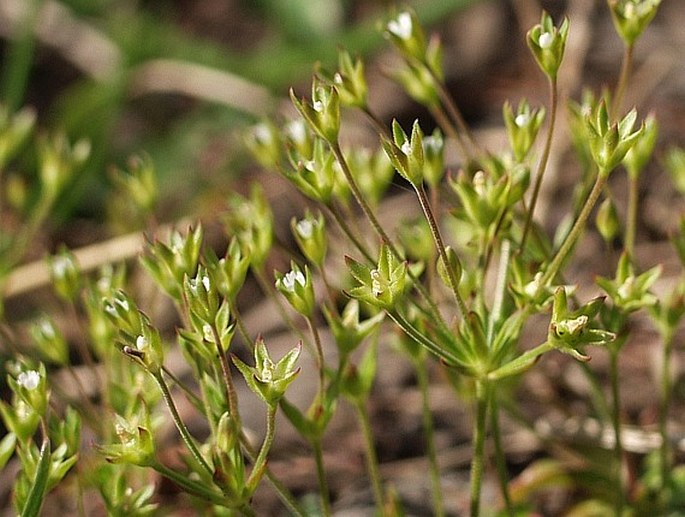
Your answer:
<point x="607" y="221"/>
<point x="65" y="274"/>
<point x="522" y="127"/>
<point x="406" y="154"/>
<point x="310" y="235"/>
<point x="323" y="113"/>
<point x="298" y="289"/>
<point x="547" y="43"/>
<point x="49" y="341"/>
<point x="631" y="17"/>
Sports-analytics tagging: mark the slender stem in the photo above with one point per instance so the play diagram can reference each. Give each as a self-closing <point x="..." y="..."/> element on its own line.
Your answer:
<point x="260" y="462"/>
<point x="285" y="495"/>
<point x="229" y="386"/>
<point x="429" y="430"/>
<point x="359" y="197"/>
<point x="440" y="351"/>
<point x="666" y="396"/>
<point x="542" y="165"/>
<point x="478" y="459"/>
<point x="440" y="245"/>
<point x="500" y="459"/>
<point x="500" y="288"/>
<point x="444" y="122"/>
<point x="616" y="422"/>
<point x="342" y="223"/>
<point x="194" y="399"/>
<point x="626" y="67"/>
<point x="180" y="425"/>
<point x="631" y="216"/>
<point x="240" y="323"/>
<point x="575" y="232"/>
<point x="458" y="118"/>
<point x="196" y="488"/>
<point x="319" y="358"/>
<point x="371" y="455"/>
<point x="324" y="492"/>
<point x="376" y="121"/>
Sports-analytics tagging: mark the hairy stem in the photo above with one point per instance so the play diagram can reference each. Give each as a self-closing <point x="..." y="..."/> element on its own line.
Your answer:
<point x="554" y="267"/>
<point x="616" y="423"/>
<point x="478" y="458"/>
<point x="371" y="455"/>
<point x="626" y="67"/>
<point x="440" y="245"/>
<point x="324" y="492"/>
<point x="542" y="165"/>
<point x="180" y="425"/>
<point x="428" y="428"/>
<point x="666" y="396"/>
<point x="631" y="216"/>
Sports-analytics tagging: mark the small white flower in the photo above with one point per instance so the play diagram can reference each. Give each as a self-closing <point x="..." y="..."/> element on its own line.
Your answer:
<point x="337" y="78"/>
<point x="208" y="333"/>
<point x="141" y="343"/>
<point x="522" y="120"/>
<point x="318" y="106"/>
<point x="291" y="277"/>
<point x="262" y="134"/>
<point x="46" y="328"/>
<point x="60" y="266"/>
<point x="29" y="379"/>
<point x="206" y="283"/>
<point x="545" y="40"/>
<point x="310" y="165"/>
<point x="531" y="288"/>
<point x="296" y="130"/>
<point x="406" y="148"/>
<point x="402" y="26"/>
<point x="305" y="228"/>
<point x="433" y="143"/>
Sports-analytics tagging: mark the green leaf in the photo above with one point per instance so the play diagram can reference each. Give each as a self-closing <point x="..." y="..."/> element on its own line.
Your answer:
<point x="36" y="495"/>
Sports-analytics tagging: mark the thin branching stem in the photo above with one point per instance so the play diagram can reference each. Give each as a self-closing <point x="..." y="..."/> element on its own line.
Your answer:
<point x="666" y="397"/>
<point x="446" y="125"/>
<point x="324" y="492"/>
<point x="472" y="149"/>
<point x="440" y="245"/>
<point x="616" y="423"/>
<point x="624" y="76"/>
<point x="631" y="215"/>
<point x="429" y="431"/>
<point x="478" y="458"/>
<point x="260" y="462"/>
<point x="371" y="455"/>
<point x="500" y="458"/>
<point x="542" y="165"/>
<point x="342" y="223"/>
<point x="361" y="200"/>
<point x="180" y="424"/>
<point x="561" y="255"/>
<point x="227" y="378"/>
<point x="320" y="365"/>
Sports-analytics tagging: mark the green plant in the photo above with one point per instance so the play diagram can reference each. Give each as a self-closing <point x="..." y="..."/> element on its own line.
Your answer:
<point x="462" y="298"/>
